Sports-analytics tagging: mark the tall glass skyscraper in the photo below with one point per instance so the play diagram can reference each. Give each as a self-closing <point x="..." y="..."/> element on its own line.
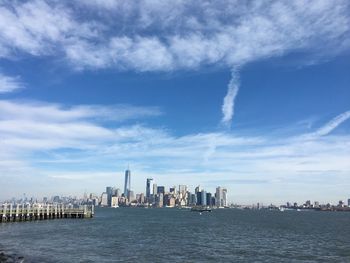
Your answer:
<point x="127" y="183"/>
<point x="149" y="187"/>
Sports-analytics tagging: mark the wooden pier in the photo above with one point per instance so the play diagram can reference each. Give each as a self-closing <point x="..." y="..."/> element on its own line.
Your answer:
<point x="27" y="212"/>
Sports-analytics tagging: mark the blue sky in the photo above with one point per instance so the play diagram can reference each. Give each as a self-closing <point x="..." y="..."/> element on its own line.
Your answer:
<point x="253" y="96"/>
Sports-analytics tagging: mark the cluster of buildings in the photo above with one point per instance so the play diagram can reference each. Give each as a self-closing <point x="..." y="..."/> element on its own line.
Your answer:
<point x="56" y="199"/>
<point x="341" y="206"/>
<point x="159" y="196"/>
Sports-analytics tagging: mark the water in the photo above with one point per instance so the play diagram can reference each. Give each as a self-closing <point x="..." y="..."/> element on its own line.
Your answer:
<point x="173" y="235"/>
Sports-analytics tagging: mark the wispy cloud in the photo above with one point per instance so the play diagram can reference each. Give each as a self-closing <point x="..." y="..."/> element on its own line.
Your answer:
<point x="10" y="84"/>
<point x="147" y="36"/>
<point x="229" y="100"/>
<point x="40" y="111"/>
<point x="158" y="36"/>
<point x="333" y="124"/>
<point x="66" y="147"/>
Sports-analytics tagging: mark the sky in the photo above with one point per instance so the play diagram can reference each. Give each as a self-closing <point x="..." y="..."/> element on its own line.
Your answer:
<point x="253" y="96"/>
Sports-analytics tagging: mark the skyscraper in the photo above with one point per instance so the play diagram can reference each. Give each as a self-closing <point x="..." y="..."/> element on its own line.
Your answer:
<point x="104" y="199"/>
<point x="224" y="197"/>
<point x="209" y="199"/>
<point x="221" y="197"/>
<point x="127" y="182"/>
<point x="199" y="198"/>
<point x="109" y="191"/>
<point x="218" y="196"/>
<point x="203" y="198"/>
<point x="149" y="187"/>
<point x="154" y="189"/>
<point x="160" y="190"/>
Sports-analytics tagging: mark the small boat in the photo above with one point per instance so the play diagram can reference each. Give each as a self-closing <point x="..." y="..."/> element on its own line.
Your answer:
<point x="200" y="209"/>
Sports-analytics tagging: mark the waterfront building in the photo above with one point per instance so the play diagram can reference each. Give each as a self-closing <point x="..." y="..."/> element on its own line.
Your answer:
<point x="114" y="201"/>
<point x="104" y="199"/>
<point x="218" y="196"/>
<point x="198" y="198"/>
<point x="221" y="197"/>
<point x="224" y="197"/>
<point x="208" y="198"/>
<point x="171" y="202"/>
<point x="213" y="200"/>
<point x="149" y="187"/>
<point x="203" y="197"/>
<point x="109" y="191"/>
<point x="127" y="182"/>
<point x="159" y="200"/>
<point x="142" y="198"/>
<point x="193" y="199"/>
<point x="131" y="195"/>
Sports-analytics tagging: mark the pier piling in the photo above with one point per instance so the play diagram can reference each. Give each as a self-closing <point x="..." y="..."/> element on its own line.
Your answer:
<point x="27" y="212"/>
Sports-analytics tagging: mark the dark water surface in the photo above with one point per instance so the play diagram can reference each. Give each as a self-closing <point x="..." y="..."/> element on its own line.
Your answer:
<point x="173" y="235"/>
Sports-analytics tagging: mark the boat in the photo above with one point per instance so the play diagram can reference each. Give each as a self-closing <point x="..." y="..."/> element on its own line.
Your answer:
<point x="200" y="209"/>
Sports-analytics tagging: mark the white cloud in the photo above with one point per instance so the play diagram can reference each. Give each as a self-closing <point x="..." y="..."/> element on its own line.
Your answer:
<point x="166" y="36"/>
<point x="9" y="84"/>
<point x="71" y="145"/>
<point x="229" y="100"/>
<point x="333" y="124"/>
<point x="39" y="111"/>
<point x="39" y="126"/>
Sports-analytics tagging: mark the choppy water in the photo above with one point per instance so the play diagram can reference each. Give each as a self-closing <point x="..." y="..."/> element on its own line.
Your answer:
<point x="172" y="235"/>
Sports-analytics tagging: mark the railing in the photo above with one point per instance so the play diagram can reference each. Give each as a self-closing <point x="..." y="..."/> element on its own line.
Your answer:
<point x="27" y="212"/>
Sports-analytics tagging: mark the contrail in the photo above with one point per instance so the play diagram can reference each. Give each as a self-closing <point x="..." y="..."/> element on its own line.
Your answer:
<point x="228" y="105"/>
<point x="334" y="123"/>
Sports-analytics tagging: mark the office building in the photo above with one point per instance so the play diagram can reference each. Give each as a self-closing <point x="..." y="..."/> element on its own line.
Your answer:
<point x="109" y="192"/>
<point x="221" y="197"/>
<point x="114" y="201"/>
<point x="160" y="190"/>
<point x="154" y="189"/>
<point x="104" y="199"/>
<point x="203" y="198"/>
<point x="149" y="187"/>
<point x="131" y="195"/>
<point x="209" y="203"/>
<point x="159" y="200"/>
<point x="224" y="197"/>
<point x="198" y="198"/>
<point x="127" y="183"/>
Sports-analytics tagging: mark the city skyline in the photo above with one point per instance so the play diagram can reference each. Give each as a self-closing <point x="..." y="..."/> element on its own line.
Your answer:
<point x="176" y="196"/>
<point x="255" y="97"/>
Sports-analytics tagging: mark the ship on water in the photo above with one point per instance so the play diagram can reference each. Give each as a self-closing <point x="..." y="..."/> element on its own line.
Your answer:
<point x="201" y="209"/>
